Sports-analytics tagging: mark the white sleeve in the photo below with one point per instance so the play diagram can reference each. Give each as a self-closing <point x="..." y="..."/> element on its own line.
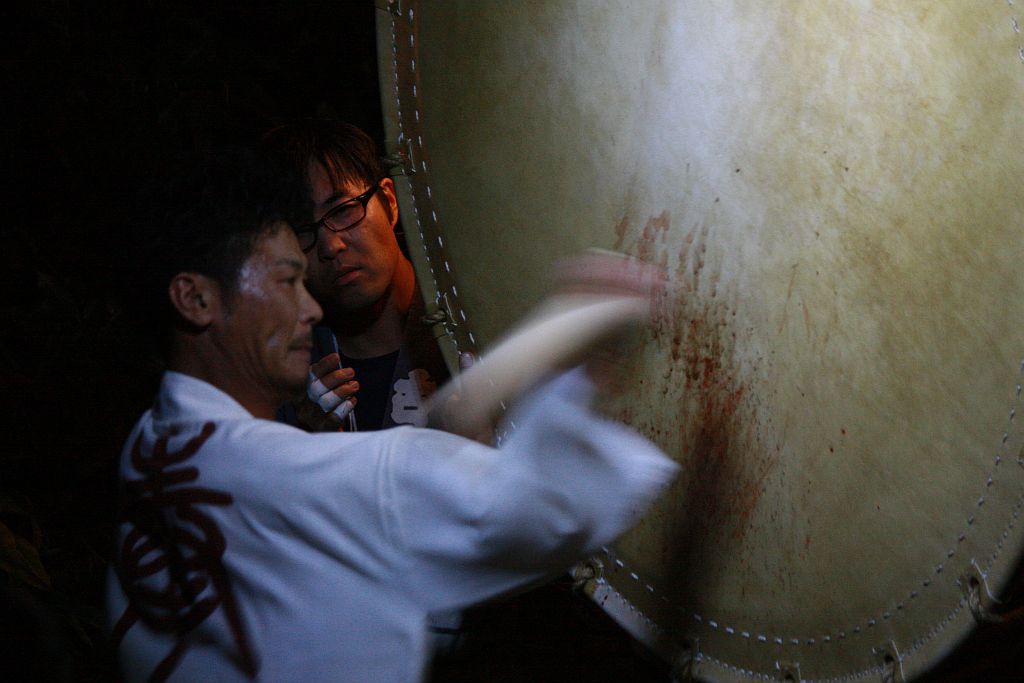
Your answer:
<point x="471" y="521"/>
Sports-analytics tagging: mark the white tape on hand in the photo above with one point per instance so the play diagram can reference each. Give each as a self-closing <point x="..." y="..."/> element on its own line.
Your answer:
<point x="344" y="409"/>
<point x="321" y="395"/>
<point x="315" y="388"/>
<point x="329" y="401"/>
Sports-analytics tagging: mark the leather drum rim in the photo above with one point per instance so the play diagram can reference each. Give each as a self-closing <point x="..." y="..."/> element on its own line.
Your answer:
<point x="899" y="630"/>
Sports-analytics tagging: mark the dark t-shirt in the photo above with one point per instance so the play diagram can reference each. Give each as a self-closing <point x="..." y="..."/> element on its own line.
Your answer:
<point x="393" y="389"/>
<point x="374" y="396"/>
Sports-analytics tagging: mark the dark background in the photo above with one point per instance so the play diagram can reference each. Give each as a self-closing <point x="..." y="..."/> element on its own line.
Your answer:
<point x="94" y="98"/>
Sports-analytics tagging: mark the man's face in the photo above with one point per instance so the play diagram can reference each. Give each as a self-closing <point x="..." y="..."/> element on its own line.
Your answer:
<point x="267" y="323"/>
<point x="352" y="270"/>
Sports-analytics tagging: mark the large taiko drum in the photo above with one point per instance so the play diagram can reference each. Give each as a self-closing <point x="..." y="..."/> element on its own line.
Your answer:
<point x="836" y="190"/>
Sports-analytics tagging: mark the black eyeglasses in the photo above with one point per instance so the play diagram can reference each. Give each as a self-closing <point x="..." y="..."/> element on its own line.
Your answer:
<point x="342" y="217"/>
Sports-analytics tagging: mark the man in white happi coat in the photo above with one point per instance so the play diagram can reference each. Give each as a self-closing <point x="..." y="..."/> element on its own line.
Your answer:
<point x="251" y="550"/>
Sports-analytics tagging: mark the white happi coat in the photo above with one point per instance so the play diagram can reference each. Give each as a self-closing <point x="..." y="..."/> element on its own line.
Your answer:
<point x="316" y="557"/>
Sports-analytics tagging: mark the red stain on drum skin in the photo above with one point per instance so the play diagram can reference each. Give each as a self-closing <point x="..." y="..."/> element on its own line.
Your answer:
<point x="627" y="416"/>
<point x="620" y="232"/>
<point x="711" y="425"/>
<point x="716" y="420"/>
<point x="718" y="417"/>
<point x="651" y="245"/>
<point x="699" y="408"/>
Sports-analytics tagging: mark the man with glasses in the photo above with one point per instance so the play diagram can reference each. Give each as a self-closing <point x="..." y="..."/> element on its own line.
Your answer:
<point x="250" y="550"/>
<point x="374" y="360"/>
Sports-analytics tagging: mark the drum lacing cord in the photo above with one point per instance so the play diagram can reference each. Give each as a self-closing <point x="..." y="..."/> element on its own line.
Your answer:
<point x="586" y="572"/>
<point x="434" y="318"/>
<point x="989" y="614"/>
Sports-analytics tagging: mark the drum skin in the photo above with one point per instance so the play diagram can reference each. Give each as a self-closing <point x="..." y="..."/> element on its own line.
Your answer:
<point x="836" y="192"/>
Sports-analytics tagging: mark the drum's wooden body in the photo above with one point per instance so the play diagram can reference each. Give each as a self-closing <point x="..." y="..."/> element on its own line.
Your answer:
<point x="836" y="189"/>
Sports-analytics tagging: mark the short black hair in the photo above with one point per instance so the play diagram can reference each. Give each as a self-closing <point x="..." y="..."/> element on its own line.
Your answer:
<point x="205" y="215"/>
<point x="347" y="153"/>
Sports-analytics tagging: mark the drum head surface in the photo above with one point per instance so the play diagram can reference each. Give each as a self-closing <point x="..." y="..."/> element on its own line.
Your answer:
<point x="836" y="191"/>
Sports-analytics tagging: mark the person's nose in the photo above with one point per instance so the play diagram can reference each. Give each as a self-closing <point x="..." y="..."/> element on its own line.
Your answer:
<point x="310" y="312"/>
<point x="330" y="244"/>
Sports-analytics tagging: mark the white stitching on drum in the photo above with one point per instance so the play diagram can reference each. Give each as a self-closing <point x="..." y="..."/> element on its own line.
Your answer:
<point x="614" y="593"/>
<point x="423" y="164"/>
<point x="1016" y="29"/>
<point x="402" y="137"/>
<point x="737" y="669"/>
<point x="1020" y="500"/>
<point x="926" y="583"/>
<point x="762" y="638"/>
<point x="857" y="630"/>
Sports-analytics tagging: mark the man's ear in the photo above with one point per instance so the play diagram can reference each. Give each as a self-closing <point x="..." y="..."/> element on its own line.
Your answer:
<point x="196" y="297"/>
<point x="390" y="200"/>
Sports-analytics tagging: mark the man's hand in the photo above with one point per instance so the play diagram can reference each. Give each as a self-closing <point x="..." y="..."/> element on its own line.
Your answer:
<point x="598" y="298"/>
<point x="332" y="387"/>
<point x="456" y="400"/>
<point x="607" y="274"/>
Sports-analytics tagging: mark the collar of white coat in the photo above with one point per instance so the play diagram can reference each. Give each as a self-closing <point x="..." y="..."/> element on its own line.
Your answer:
<point x="184" y="397"/>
